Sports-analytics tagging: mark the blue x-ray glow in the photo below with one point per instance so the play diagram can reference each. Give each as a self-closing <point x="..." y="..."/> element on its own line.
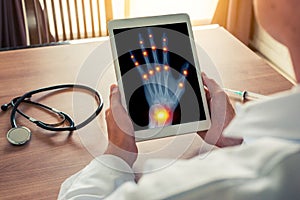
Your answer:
<point x="162" y="90"/>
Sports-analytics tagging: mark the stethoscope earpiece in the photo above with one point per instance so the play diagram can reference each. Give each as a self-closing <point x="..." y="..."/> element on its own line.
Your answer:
<point x="4" y="107"/>
<point x="19" y="135"/>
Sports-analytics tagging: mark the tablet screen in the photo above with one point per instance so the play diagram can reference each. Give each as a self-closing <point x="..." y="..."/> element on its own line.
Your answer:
<point x="159" y="77"/>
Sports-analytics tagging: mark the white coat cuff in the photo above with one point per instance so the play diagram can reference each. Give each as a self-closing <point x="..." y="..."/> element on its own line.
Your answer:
<point x="98" y="179"/>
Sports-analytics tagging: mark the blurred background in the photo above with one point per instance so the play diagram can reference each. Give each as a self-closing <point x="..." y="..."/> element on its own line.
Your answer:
<point x="36" y="23"/>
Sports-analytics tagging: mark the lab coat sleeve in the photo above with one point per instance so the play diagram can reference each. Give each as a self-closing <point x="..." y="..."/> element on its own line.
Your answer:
<point x="266" y="169"/>
<point x="97" y="180"/>
<point x="234" y="174"/>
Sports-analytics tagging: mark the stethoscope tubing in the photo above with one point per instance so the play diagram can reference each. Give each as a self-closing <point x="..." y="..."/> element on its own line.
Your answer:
<point x="17" y="101"/>
<point x="61" y="114"/>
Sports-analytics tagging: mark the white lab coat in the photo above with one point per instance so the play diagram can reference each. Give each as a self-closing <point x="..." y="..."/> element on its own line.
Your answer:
<point x="263" y="169"/>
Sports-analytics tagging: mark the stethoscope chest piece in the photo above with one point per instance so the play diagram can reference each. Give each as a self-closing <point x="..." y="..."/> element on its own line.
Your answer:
<point x="18" y="135"/>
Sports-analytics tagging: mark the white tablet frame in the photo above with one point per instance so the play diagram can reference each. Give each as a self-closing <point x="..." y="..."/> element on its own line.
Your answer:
<point x="171" y="130"/>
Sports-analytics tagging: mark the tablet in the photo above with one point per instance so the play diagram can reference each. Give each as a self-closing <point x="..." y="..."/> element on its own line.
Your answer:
<point x="159" y="75"/>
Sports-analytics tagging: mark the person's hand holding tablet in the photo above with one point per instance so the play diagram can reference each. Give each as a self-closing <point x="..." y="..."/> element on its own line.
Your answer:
<point x="221" y="112"/>
<point x="159" y="75"/>
<point x="121" y="133"/>
<point x="120" y="129"/>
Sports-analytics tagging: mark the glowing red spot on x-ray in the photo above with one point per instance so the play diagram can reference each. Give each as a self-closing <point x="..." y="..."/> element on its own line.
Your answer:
<point x="185" y="72"/>
<point x="162" y="115"/>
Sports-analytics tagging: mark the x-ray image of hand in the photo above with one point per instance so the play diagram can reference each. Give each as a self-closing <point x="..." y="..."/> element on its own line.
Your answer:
<point x="163" y="86"/>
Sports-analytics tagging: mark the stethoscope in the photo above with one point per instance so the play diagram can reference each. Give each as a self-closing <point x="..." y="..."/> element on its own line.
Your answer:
<point x="19" y="135"/>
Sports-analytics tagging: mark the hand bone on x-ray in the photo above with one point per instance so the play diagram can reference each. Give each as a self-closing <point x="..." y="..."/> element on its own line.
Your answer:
<point x="162" y="90"/>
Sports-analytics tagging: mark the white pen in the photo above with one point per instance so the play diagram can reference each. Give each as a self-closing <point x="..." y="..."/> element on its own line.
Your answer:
<point x="245" y="95"/>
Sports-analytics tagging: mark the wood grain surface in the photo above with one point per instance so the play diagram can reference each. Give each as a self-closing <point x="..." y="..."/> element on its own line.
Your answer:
<point x="37" y="169"/>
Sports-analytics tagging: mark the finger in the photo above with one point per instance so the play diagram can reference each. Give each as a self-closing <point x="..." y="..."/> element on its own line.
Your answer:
<point x="181" y="81"/>
<point x="109" y="121"/>
<point x="184" y="69"/>
<point x="208" y="97"/>
<point x="136" y="64"/>
<point x="165" y="49"/>
<point x="107" y="113"/>
<point x="153" y="46"/>
<point x="115" y="96"/>
<point x="117" y="109"/>
<point x="145" y="54"/>
<point x="211" y="84"/>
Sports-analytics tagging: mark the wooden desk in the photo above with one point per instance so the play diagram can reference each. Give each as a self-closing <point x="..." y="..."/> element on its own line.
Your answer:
<point x="36" y="170"/>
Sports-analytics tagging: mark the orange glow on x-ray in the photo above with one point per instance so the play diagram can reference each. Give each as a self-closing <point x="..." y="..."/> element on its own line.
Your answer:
<point x="185" y="72"/>
<point x="157" y="68"/>
<point x="145" y="76"/>
<point x="161" y="89"/>
<point x="180" y="85"/>
<point x="151" y="72"/>
<point x="166" y="67"/>
<point x="162" y="115"/>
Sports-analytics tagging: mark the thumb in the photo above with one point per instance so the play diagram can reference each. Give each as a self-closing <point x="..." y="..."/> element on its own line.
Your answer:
<point x="115" y="96"/>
